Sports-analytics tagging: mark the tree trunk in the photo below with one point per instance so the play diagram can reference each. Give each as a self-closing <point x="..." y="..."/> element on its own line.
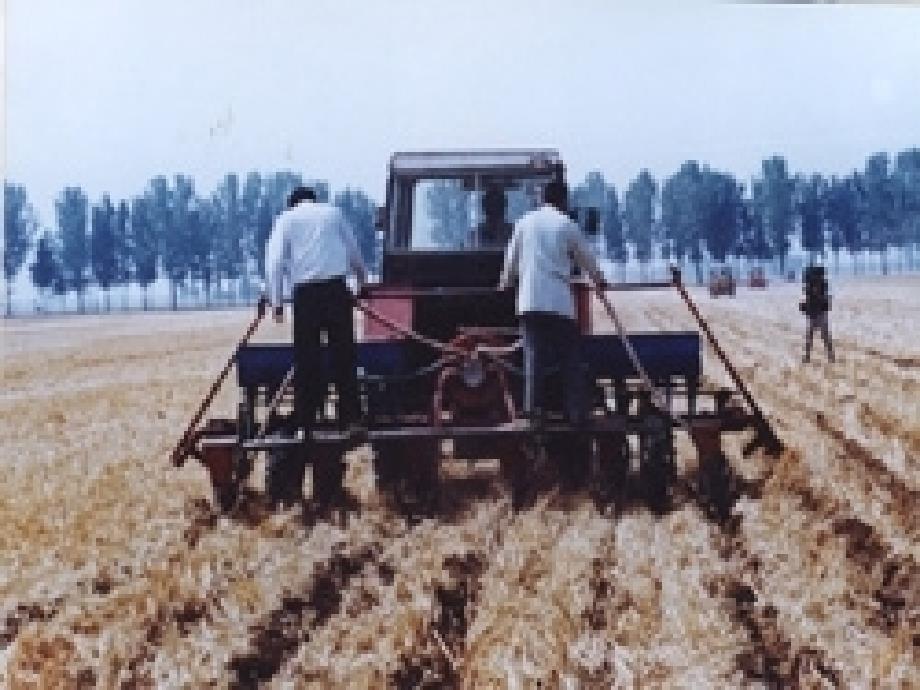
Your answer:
<point x="174" y="289"/>
<point x="9" y="297"/>
<point x="145" y="288"/>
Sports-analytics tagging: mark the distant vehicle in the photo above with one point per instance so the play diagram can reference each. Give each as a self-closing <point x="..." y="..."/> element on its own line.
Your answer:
<point x="721" y="282"/>
<point x="757" y="278"/>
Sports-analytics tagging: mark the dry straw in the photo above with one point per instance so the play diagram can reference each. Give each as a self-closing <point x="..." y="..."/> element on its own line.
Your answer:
<point x="114" y="571"/>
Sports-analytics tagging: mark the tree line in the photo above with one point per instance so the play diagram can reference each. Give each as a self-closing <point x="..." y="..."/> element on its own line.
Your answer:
<point x="699" y="214"/>
<point x="170" y="231"/>
<point x="695" y="215"/>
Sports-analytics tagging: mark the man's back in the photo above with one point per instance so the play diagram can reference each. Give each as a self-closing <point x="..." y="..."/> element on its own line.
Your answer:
<point x="543" y="249"/>
<point x="310" y="242"/>
<point x="545" y="237"/>
<point x="313" y="232"/>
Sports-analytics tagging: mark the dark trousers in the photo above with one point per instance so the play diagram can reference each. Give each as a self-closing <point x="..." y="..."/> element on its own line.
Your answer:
<point x="551" y="346"/>
<point x="324" y="306"/>
<point x="818" y="322"/>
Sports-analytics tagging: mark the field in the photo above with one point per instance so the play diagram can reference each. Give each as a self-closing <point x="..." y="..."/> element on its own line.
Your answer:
<point x="115" y="572"/>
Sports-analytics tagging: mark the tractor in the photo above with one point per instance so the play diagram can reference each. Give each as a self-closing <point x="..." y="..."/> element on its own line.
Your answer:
<point x="440" y="364"/>
<point x="757" y="278"/>
<point x="721" y="282"/>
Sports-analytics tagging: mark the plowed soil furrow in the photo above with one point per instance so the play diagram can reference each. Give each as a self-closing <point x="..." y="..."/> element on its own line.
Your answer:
<point x="847" y="468"/>
<point x="278" y="635"/>
<point x="805" y="585"/>
<point x="869" y="565"/>
<point x="784" y="406"/>
<point x="412" y="611"/>
<point x="780" y="585"/>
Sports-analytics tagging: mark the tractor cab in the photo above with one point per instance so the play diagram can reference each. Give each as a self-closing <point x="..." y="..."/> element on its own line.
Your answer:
<point x="447" y="220"/>
<point x="449" y="216"/>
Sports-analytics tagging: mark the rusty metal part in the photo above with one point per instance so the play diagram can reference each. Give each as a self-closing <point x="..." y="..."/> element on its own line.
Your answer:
<point x="276" y="402"/>
<point x="490" y="399"/>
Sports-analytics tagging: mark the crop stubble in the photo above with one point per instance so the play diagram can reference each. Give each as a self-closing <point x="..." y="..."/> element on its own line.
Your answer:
<point x="114" y="572"/>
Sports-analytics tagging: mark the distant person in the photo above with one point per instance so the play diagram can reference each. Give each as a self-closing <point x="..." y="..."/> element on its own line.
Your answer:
<point x="314" y="246"/>
<point x="815" y="306"/>
<point x="545" y="247"/>
<point x="494" y="229"/>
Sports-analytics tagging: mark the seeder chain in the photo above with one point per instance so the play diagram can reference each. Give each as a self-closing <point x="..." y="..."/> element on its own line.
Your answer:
<point x="494" y="353"/>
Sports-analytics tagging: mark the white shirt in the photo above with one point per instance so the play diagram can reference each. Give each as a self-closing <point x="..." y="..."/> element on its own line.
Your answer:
<point x="543" y="249"/>
<point x="309" y="242"/>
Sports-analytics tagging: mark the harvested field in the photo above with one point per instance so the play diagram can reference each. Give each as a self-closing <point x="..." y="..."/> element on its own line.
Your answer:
<point x="115" y="571"/>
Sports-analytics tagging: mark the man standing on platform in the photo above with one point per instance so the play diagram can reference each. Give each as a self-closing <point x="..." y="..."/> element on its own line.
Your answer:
<point x="546" y="245"/>
<point x="313" y="245"/>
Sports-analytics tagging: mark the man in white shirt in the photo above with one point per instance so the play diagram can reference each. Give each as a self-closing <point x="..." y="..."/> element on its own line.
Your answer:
<point x="313" y="245"/>
<point x="545" y="247"/>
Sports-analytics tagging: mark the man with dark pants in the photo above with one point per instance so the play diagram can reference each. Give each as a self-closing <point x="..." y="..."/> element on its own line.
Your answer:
<point x="816" y="305"/>
<point x="545" y="247"/>
<point x="313" y="245"/>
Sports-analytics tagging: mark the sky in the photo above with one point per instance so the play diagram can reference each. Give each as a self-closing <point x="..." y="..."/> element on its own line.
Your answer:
<point x="108" y="93"/>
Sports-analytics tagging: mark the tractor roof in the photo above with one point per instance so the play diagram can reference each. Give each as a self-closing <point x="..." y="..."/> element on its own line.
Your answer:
<point x="475" y="160"/>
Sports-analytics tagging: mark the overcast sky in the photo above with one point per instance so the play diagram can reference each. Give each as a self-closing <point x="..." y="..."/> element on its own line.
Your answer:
<point x="107" y="93"/>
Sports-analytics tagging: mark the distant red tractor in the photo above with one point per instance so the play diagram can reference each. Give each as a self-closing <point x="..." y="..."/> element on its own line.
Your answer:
<point x="721" y="282"/>
<point x="757" y="278"/>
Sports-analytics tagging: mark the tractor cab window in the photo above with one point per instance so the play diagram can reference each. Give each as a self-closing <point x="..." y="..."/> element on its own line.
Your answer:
<point x="465" y="213"/>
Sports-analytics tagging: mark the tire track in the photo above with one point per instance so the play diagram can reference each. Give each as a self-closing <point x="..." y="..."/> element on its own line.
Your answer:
<point x="905" y="497"/>
<point x="899" y="508"/>
<point x="413" y="613"/>
<point x="769" y="654"/>
<point x="443" y="664"/>
<point x="20" y="615"/>
<point x="515" y="584"/>
<point x="881" y="589"/>
<point x="902" y="497"/>
<point x="886" y="582"/>
<point x="436" y="659"/>
<point x="772" y="656"/>
<point x="282" y="630"/>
